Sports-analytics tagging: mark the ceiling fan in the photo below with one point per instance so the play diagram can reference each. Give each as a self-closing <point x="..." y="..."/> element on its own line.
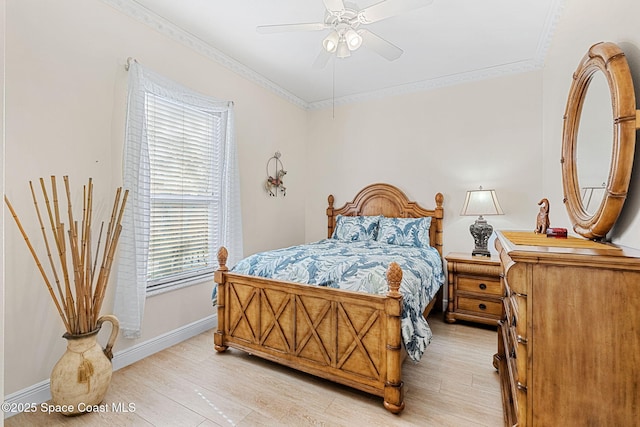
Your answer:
<point x="345" y="21"/>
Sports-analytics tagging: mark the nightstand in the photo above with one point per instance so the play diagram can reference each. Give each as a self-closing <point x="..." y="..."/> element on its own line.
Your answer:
<point x="475" y="288"/>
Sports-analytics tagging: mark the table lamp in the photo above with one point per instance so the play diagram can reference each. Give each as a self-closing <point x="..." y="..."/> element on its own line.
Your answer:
<point x="481" y="202"/>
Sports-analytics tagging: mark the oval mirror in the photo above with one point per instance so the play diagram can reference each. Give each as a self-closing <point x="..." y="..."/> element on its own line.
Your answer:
<point x="595" y="136"/>
<point x="598" y="140"/>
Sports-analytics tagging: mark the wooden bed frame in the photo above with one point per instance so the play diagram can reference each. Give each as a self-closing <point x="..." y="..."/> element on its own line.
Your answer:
<point x="352" y="338"/>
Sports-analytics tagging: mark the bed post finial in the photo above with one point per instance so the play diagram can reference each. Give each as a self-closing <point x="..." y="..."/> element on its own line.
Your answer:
<point x="394" y="277"/>
<point x="223" y="254"/>
<point x="439" y="200"/>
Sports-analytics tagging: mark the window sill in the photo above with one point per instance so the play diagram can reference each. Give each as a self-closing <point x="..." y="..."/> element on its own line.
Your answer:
<point x="180" y="284"/>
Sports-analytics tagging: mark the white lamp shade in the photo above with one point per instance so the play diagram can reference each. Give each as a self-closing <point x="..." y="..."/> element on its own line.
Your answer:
<point x="343" y="49"/>
<point x="330" y="43"/>
<point x="481" y="202"/>
<point x="354" y="40"/>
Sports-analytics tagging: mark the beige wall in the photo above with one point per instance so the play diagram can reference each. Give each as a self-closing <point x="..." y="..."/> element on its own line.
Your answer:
<point x="581" y="25"/>
<point x="448" y="140"/>
<point x="65" y="109"/>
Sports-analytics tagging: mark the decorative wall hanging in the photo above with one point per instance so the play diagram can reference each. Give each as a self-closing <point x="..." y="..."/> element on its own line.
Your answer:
<point x="275" y="172"/>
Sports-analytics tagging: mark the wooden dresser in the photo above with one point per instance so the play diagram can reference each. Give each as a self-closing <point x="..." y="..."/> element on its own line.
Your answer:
<point x="569" y="338"/>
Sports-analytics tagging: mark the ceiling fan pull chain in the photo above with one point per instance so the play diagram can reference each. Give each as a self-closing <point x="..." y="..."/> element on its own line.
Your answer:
<point x="333" y="91"/>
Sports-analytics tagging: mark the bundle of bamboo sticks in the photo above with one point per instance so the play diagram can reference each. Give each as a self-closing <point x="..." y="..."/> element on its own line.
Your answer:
<point x="80" y="289"/>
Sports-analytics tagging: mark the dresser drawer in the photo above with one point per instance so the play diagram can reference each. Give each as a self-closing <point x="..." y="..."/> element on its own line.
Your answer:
<point x="479" y="286"/>
<point x="508" y="377"/>
<point x="519" y="312"/>
<point x="511" y="309"/>
<point x="493" y="308"/>
<point x="505" y="316"/>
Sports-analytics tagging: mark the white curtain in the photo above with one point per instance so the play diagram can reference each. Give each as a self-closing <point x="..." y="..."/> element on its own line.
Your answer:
<point x="131" y="278"/>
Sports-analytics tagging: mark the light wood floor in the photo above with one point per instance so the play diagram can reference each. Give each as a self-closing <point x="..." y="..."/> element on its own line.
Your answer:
<point x="189" y="384"/>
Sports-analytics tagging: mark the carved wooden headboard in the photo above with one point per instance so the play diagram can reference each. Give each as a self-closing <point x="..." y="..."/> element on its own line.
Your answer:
<point x="390" y="201"/>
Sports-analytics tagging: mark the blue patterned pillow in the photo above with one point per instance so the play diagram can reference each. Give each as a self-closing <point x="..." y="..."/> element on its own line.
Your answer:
<point x="405" y="231"/>
<point x="356" y="227"/>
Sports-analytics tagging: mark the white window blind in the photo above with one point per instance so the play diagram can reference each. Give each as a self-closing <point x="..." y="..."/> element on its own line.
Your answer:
<point x="184" y="154"/>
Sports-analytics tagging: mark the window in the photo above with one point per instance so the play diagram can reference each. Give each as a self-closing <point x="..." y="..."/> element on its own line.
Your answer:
<point x="180" y="167"/>
<point x="184" y="152"/>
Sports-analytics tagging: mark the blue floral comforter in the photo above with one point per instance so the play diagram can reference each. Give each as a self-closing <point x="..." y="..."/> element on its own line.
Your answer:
<point x="360" y="266"/>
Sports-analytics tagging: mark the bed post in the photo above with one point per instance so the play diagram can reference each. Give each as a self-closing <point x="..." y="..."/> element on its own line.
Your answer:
<point x="438" y="301"/>
<point x="330" y="217"/>
<point x="439" y="215"/>
<point x="219" y="278"/>
<point x="393" y="393"/>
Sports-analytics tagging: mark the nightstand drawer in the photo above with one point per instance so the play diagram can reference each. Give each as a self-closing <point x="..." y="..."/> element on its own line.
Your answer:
<point x="480" y="286"/>
<point x="493" y="308"/>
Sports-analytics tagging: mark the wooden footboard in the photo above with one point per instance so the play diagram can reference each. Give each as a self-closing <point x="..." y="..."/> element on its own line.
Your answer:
<point x="352" y="338"/>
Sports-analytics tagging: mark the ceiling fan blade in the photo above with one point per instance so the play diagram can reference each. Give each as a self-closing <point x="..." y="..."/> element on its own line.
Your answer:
<point x="322" y="59"/>
<point x="334" y="5"/>
<point x="380" y="45"/>
<point x="269" y="29"/>
<point x="388" y="8"/>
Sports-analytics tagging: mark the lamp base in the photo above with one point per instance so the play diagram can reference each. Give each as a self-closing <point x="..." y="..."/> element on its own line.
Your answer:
<point x="481" y="231"/>
<point x="481" y="252"/>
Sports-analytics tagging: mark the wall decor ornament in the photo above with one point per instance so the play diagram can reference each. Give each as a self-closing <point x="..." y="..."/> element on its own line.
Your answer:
<point x="76" y="283"/>
<point x="275" y="173"/>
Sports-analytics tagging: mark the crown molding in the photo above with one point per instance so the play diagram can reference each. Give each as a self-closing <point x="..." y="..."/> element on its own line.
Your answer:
<point x="147" y="17"/>
<point x="167" y="28"/>
<point x="425" y="85"/>
<point x="549" y="30"/>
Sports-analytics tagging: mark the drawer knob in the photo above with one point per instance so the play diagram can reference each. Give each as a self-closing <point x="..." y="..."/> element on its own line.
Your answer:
<point x="482" y="286"/>
<point x="482" y="306"/>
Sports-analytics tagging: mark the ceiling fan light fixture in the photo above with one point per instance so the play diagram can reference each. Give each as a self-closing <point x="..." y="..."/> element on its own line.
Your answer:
<point x="330" y="43"/>
<point x="343" y="49"/>
<point x="353" y="39"/>
<point x="344" y="21"/>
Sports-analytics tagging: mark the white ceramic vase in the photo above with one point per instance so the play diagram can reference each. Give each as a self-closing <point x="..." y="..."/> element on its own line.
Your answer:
<point x="81" y="378"/>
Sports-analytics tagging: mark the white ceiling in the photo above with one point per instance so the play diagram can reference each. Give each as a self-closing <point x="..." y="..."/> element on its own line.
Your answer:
<point x="444" y="43"/>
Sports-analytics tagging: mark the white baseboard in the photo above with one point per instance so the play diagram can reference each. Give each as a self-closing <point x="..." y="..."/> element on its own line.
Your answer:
<point x="40" y="392"/>
<point x="33" y="395"/>
<point x="140" y="351"/>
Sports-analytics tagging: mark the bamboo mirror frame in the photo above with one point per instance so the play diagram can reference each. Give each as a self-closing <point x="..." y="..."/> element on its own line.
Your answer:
<point x="608" y="59"/>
